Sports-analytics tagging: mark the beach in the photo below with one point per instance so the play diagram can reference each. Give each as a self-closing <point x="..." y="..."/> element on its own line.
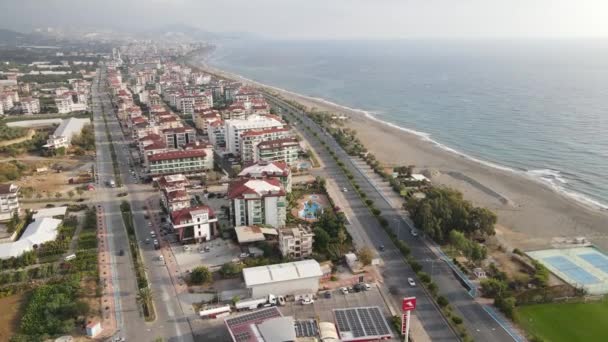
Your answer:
<point x="531" y="215"/>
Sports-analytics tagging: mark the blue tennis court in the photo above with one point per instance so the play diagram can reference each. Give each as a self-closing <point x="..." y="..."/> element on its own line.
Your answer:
<point x="571" y="270"/>
<point x="598" y="261"/>
<point x="585" y="267"/>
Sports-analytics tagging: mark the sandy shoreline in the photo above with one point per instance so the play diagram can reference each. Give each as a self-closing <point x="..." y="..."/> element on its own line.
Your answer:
<point x="530" y="214"/>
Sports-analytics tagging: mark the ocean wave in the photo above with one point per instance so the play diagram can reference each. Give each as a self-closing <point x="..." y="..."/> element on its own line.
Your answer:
<point x="551" y="178"/>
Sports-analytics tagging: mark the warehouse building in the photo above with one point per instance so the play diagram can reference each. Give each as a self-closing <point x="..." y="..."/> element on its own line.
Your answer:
<point x="300" y="277"/>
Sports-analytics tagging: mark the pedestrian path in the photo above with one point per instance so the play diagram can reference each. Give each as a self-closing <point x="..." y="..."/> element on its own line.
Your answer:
<point x="108" y="303"/>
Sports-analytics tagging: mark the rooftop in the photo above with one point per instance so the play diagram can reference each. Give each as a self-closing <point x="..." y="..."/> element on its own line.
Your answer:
<point x="243" y="328"/>
<point x="278" y="143"/>
<point x="259" y="187"/>
<point x="177" y="155"/>
<point x="281" y="272"/>
<point x="246" y="234"/>
<point x="187" y="213"/>
<point x="262" y="169"/>
<point x="40" y="231"/>
<point x="50" y="212"/>
<point x="362" y="324"/>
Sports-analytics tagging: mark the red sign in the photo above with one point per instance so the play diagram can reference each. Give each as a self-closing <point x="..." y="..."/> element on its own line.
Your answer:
<point x="408" y="304"/>
<point x="404" y="323"/>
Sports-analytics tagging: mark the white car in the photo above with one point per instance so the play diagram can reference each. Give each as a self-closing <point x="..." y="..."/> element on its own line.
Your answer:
<point x="306" y="301"/>
<point x="149" y="224"/>
<point x="344" y="290"/>
<point x="367" y="286"/>
<point x="414" y="232"/>
<point x="411" y="282"/>
<point x="344" y="189"/>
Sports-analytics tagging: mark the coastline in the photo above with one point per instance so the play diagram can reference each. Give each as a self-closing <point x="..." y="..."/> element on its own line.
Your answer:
<point x="531" y="212"/>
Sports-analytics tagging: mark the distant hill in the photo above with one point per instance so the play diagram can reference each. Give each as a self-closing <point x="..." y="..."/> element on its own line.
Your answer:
<point x="13" y="38"/>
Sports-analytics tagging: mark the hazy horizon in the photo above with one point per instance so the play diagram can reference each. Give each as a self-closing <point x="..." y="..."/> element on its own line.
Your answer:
<point x="319" y="19"/>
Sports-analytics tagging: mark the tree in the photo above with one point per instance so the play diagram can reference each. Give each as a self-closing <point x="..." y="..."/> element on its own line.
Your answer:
<point x="341" y="239"/>
<point x="365" y="256"/>
<point x="79" y="191"/>
<point x="58" y="194"/>
<point x="230" y="269"/>
<point x="483" y="221"/>
<point x="200" y="275"/>
<point x="493" y="288"/>
<point x="321" y="240"/>
<point x="71" y="194"/>
<point x="144" y="296"/>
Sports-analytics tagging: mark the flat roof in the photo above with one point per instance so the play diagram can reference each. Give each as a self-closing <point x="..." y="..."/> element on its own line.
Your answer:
<point x="243" y="328"/>
<point x="362" y="324"/>
<point x="281" y="272"/>
<point x="40" y="231"/>
<point x="245" y="234"/>
<point x="50" y="212"/>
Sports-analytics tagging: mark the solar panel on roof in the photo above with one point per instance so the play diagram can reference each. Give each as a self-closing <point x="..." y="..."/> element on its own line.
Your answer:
<point x="308" y="328"/>
<point x="354" y="323"/>
<point x="242" y="336"/>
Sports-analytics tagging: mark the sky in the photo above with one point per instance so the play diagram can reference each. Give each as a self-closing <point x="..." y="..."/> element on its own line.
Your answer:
<point x="325" y="19"/>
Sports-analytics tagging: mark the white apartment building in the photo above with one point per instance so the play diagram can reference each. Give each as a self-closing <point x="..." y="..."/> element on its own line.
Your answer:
<point x="217" y="133"/>
<point x="65" y="131"/>
<point x="9" y="201"/>
<point x="258" y="202"/>
<point x="296" y="243"/>
<point x="235" y="128"/>
<point x="279" y="170"/>
<point x="285" y="150"/>
<point x="197" y="223"/>
<point x="251" y="138"/>
<point x="30" y="105"/>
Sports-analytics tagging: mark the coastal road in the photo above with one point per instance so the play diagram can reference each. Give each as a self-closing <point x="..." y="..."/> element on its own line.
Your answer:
<point x="481" y="326"/>
<point x="171" y="323"/>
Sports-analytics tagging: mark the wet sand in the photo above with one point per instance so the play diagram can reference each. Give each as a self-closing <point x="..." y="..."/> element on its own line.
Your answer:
<point x="530" y="214"/>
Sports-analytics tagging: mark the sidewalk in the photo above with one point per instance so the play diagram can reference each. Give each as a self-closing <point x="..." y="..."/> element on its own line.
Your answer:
<point x="108" y="322"/>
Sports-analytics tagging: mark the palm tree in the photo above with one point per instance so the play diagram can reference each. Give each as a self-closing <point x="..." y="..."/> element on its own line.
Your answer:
<point x="144" y="296"/>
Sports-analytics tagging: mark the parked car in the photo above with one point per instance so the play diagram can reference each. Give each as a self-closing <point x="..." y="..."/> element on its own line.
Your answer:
<point x="381" y="248"/>
<point x="243" y="255"/>
<point x="411" y="282"/>
<point x="367" y="286"/>
<point x="344" y="290"/>
<point x="344" y="189"/>
<point x="327" y="294"/>
<point x="307" y="301"/>
<point x="121" y="252"/>
<point x="414" y="232"/>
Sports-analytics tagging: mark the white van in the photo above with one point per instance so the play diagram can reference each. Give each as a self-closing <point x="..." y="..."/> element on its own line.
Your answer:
<point x="70" y="257"/>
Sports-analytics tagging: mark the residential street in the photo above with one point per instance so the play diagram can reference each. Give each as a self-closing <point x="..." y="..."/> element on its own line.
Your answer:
<point x="170" y="322"/>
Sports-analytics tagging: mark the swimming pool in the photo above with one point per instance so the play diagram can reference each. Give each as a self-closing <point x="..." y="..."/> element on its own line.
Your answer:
<point x="310" y="210"/>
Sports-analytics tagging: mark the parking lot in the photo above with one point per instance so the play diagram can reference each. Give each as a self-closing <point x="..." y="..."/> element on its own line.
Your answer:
<point x="322" y="307"/>
<point x="219" y="252"/>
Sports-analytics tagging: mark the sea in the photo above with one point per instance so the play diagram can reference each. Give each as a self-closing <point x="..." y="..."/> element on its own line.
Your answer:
<point x="535" y="107"/>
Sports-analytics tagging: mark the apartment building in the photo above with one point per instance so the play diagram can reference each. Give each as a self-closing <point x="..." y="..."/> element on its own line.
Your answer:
<point x="192" y="162"/>
<point x="284" y="150"/>
<point x="30" y="105"/>
<point x="195" y="224"/>
<point x="235" y="128"/>
<point x="251" y="138"/>
<point x="178" y="137"/>
<point x="258" y="202"/>
<point x="175" y="199"/>
<point x="260" y="170"/>
<point x="9" y="201"/>
<point x="296" y="243"/>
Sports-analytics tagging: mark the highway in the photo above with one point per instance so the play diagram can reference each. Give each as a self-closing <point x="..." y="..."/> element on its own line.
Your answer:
<point x="481" y="326"/>
<point x="171" y="323"/>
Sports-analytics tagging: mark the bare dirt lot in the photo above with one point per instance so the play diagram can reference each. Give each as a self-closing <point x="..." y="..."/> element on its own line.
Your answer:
<point x="9" y="316"/>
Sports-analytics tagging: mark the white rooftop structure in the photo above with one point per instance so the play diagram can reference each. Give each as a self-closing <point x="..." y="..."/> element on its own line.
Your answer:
<point x="64" y="133"/>
<point x="50" y="212"/>
<point x="281" y="272"/>
<point x="70" y="127"/>
<point x="274" y="329"/>
<point x="38" y="232"/>
<point x="235" y="127"/>
<point x="419" y="177"/>
<point x="261" y="169"/>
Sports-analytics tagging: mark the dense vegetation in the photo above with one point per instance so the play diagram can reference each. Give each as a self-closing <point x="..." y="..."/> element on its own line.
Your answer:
<point x="85" y="140"/>
<point x="11" y="171"/>
<point x="444" y="210"/>
<point x="200" y="275"/>
<point x="9" y="133"/>
<point x="52" y="310"/>
<point x="331" y="238"/>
